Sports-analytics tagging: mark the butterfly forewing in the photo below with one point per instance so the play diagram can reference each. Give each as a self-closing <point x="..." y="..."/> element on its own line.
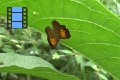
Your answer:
<point x="52" y="38"/>
<point x="61" y="30"/>
<point x="64" y="32"/>
<point x="53" y="41"/>
<point x="48" y="31"/>
<point x="55" y="23"/>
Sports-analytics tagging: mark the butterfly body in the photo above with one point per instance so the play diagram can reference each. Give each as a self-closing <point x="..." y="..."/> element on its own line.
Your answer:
<point x="56" y="33"/>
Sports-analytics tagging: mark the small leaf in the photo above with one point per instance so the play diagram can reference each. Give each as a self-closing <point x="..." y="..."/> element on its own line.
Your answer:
<point x="103" y="77"/>
<point x="67" y="52"/>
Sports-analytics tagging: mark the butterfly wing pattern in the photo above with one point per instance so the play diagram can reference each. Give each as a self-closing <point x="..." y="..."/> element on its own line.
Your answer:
<point x="61" y="29"/>
<point x="58" y="32"/>
<point x="52" y="38"/>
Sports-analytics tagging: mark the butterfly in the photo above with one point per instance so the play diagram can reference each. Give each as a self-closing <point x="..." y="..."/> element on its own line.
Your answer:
<point x="56" y="33"/>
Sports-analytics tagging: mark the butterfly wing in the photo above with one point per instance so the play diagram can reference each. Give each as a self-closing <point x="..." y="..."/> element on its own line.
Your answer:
<point x="55" y="24"/>
<point x="64" y="32"/>
<point x="53" y="41"/>
<point x="52" y="37"/>
<point x="61" y="30"/>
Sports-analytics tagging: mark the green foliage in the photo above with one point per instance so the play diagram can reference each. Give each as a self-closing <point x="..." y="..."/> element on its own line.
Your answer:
<point x="95" y="33"/>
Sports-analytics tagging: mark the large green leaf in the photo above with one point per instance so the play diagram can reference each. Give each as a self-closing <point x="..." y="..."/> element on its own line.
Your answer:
<point x="95" y="31"/>
<point x="31" y="65"/>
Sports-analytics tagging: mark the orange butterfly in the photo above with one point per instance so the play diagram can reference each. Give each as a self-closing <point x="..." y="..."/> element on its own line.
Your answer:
<point x="58" y="32"/>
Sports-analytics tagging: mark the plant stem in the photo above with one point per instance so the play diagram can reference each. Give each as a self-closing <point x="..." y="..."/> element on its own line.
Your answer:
<point x="28" y="77"/>
<point x="80" y="61"/>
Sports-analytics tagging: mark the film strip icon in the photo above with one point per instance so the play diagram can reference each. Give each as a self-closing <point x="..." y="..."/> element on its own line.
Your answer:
<point x="17" y="17"/>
